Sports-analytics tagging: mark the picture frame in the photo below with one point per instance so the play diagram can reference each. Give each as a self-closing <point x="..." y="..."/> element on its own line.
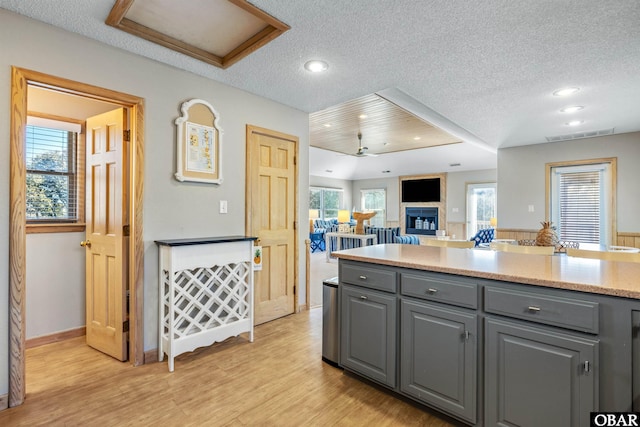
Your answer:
<point x="199" y="143"/>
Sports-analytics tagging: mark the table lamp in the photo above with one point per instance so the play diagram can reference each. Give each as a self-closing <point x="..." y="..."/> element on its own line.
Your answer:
<point x="344" y="216"/>
<point x="493" y="221"/>
<point x="313" y="215"/>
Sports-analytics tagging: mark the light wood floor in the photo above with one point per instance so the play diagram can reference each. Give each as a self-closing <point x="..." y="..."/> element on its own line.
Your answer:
<point x="278" y="380"/>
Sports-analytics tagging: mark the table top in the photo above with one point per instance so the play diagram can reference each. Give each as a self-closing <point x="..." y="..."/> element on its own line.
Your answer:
<point x="203" y="240"/>
<point x="355" y="236"/>
<point x="620" y="279"/>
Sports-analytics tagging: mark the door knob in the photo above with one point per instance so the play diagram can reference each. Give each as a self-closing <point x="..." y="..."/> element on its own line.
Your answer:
<point x="85" y="243"/>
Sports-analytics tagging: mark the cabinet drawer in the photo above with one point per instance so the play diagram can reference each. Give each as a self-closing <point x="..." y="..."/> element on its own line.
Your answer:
<point x="434" y="288"/>
<point x="548" y="309"/>
<point x="374" y="278"/>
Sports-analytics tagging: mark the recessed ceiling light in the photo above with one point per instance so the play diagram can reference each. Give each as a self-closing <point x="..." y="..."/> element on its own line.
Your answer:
<point x="566" y="91"/>
<point x="316" y="66"/>
<point x="327" y="125"/>
<point x="572" y="109"/>
<point x="575" y="123"/>
<point x="416" y="138"/>
<point x="363" y="116"/>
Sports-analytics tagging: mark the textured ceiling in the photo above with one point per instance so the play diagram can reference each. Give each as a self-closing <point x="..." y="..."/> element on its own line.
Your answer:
<point x="486" y="68"/>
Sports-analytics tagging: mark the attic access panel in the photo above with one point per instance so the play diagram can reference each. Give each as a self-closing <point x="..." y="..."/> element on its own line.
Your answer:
<point x="218" y="32"/>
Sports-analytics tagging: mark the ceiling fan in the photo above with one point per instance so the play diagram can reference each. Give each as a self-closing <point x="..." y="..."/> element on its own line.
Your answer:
<point x="362" y="151"/>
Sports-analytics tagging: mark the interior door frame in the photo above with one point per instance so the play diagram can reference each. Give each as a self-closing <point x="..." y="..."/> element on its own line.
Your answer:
<point x="250" y="155"/>
<point x="20" y="80"/>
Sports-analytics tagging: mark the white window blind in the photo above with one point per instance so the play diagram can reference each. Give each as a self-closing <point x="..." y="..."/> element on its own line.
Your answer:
<point x="51" y="176"/>
<point x="580" y="206"/>
<point x="580" y="198"/>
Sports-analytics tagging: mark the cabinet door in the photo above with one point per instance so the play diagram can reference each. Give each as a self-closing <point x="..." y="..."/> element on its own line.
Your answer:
<point x="535" y="377"/>
<point x="438" y="348"/>
<point x="368" y="333"/>
<point x="635" y="359"/>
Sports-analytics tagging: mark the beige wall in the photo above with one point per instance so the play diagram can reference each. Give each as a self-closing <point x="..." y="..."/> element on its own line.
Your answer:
<point x="171" y="209"/>
<point x="521" y="178"/>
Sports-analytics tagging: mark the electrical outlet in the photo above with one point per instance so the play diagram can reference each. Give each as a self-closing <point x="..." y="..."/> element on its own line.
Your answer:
<point x="454" y="210"/>
<point x="223" y="206"/>
<point x="531" y="208"/>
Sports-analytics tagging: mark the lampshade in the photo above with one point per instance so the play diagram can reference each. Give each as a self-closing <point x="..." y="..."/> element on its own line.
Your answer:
<point x="344" y="216"/>
<point x="313" y="214"/>
<point x="493" y="221"/>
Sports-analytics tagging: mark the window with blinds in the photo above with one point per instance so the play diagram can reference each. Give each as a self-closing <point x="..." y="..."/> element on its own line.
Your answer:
<point x="579" y="207"/>
<point x="51" y="175"/>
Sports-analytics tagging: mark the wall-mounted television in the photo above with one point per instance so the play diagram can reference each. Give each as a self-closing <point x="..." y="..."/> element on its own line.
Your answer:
<point x="421" y="190"/>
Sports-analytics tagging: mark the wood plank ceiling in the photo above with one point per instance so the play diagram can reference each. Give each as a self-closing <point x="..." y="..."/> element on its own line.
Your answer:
<point x="218" y="32"/>
<point x="385" y="128"/>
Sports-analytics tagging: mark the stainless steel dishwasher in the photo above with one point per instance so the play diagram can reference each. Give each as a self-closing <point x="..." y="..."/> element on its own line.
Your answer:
<point x="330" y="321"/>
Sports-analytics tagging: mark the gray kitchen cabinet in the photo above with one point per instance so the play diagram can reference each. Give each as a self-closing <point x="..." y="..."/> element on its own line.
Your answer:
<point x="635" y="359"/>
<point x="368" y="333"/>
<point x="535" y="376"/>
<point x="438" y="351"/>
<point x="490" y="352"/>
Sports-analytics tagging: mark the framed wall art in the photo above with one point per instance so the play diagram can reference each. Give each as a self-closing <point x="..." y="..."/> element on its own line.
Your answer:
<point x="199" y="143"/>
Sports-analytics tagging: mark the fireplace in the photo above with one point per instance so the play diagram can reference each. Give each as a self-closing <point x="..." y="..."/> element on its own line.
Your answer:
<point x="421" y="221"/>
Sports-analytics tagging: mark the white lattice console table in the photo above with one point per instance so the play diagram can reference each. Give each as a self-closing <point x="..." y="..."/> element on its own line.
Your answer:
<point x="206" y="292"/>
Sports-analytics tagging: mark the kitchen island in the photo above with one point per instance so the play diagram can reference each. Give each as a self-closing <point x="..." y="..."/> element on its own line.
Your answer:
<point x="493" y="338"/>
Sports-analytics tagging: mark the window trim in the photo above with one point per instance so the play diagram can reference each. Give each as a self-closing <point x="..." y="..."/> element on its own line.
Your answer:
<point x="613" y="164"/>
<point x="322" y="209"/>
<point x="66" y="226"/>
<point x="469" y="186"/>
<point x="384" y="210"/>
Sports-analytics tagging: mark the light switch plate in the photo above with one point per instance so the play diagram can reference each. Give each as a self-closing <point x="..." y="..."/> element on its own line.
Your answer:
<point x="223" y="206"/>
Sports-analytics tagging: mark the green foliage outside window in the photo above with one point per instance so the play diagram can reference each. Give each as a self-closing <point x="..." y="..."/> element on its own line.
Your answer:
<point x="50" y="179"/>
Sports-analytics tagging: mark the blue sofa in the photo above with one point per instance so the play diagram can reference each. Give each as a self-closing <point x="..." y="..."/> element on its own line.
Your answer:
<point x="411" y="239"/>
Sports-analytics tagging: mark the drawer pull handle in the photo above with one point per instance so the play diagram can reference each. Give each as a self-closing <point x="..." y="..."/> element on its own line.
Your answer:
<point x="432" y="291"/>
<point x="363" y="297"/>
<point x="533" y="309"/>
<point x="363" y="277"/>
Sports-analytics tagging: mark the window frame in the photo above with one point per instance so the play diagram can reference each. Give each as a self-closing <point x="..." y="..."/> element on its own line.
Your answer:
<point x="377" y="211"/>
<point x="610" y="226"/>
<point x="470" y="214"/>
<point x="322" y="208"/>
<point x="64" y="225"/>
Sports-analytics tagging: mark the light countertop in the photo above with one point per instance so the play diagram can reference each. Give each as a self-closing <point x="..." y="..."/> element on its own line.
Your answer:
<point x="620" y="279"/>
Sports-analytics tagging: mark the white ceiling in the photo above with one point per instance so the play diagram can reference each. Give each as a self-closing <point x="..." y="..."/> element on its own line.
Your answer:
<point x="486" y="69"/>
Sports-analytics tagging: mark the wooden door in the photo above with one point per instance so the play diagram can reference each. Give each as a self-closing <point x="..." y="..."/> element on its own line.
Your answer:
<point x="105" y="243"/>
<point x="271" y="208"/>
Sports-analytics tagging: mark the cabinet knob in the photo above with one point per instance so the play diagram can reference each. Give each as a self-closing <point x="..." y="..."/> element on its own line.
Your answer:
<point x="363" y="277"/>
<point x="533" y="309"/>
<point x="432" y="291"/>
